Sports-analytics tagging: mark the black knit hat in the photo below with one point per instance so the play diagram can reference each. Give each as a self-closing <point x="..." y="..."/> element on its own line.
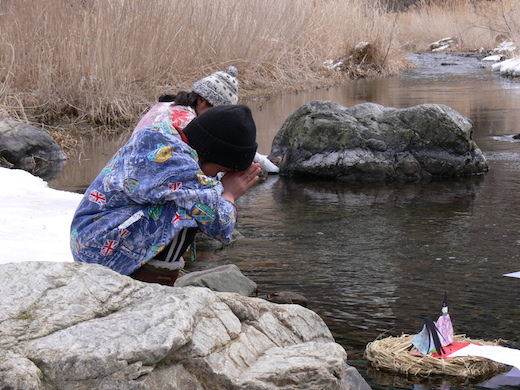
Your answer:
<point x="225" y="135"/>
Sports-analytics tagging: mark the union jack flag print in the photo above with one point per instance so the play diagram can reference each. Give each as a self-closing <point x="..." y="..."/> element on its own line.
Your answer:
<point x="176" y="218"/>
<point x="97" y="197"/>
<point x="175" y="186"/>
<point x="109" y="247"/>
<point x="124" y="233"/>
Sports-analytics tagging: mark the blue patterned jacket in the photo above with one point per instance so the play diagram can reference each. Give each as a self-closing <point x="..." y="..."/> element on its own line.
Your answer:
<point x="151" y="189"/>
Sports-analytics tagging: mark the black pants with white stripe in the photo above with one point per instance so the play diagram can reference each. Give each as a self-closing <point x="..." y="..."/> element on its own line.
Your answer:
<point x="160" y="273"/>
<point x="176" y="248"/>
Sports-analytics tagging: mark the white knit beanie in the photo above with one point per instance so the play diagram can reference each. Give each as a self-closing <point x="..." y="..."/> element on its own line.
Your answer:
<point x="220" y="88"/>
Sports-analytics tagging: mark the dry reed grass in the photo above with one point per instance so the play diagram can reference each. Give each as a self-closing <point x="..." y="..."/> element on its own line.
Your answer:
<point x="474" y="24"/>
<point x="394" y="354"/>
<point x="101" y="63"/>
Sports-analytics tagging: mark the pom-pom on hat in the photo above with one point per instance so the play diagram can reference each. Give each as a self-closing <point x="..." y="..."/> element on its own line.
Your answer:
<point x="225" y="135"/>
<point x="219" y="88"/>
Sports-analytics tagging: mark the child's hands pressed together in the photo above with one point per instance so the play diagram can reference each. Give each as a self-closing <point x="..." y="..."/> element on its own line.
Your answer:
<point x="237" y="183"/>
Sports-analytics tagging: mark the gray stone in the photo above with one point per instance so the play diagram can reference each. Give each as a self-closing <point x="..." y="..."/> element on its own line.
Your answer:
<point x="285" y="297"/>
<point x="369" y="143"/>
<point x="82" y="326"/>
<point x="23" y="146"/>
<point x="225" y="278"/>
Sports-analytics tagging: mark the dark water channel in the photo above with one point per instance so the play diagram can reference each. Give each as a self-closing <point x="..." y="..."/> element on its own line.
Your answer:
<point x="379" y="259"/>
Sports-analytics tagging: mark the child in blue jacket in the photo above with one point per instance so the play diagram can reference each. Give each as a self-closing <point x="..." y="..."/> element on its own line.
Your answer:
<point x="142" y="211"/>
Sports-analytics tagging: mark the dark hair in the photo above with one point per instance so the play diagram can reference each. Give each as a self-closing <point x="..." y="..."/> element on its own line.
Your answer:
<point x="182" y="98"/>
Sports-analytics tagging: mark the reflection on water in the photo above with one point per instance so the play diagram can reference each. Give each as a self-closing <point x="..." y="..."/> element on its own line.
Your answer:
<point x="378" y="259"/>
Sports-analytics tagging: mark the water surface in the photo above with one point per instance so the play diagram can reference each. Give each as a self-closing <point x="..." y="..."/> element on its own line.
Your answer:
<point x="378" y="259"/>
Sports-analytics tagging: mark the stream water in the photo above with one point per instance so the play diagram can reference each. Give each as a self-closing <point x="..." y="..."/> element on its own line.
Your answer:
<point x="378" y="259"/>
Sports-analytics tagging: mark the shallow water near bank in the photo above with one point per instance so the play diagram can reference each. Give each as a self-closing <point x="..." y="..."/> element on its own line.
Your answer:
<point x="378" y="259"/>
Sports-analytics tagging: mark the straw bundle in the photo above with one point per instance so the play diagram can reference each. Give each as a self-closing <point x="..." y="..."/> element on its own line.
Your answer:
<point x="395" y="354"/>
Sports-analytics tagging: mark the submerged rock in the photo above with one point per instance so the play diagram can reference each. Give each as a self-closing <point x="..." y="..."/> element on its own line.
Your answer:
<point x="83" y="326"/>
<point x="286" y="297"/>
<point x="224" y="278"/>
<point x="23" y="146"/>
<point x="369" y="143"/>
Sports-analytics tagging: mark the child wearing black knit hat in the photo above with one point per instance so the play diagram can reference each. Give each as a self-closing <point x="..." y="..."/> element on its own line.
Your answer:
<point x="229" y="141"/>
<point x="225" y="140"/>
<point x="142" y="211"/>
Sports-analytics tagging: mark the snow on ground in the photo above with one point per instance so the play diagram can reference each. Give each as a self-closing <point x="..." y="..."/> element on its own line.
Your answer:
<point x="509" y="67"/>
<point x="34" y="219"/>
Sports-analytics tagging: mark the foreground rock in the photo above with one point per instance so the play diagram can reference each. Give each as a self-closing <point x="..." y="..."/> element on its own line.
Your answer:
<point x="23" y="146"/>
<point x="79" y="326"/>
<point x="369" y="143"/>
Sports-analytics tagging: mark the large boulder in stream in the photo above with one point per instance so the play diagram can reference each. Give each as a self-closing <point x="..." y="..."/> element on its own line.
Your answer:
<point x="370" y="143"/>
<point x="23" y="146"/>
<point x="82" y="326"/>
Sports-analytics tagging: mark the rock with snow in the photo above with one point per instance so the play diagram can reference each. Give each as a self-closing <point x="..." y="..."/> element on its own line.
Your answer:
<point x="23" y="146"/>
<point x="494" y="58"/>
<point x="506" y="46"/>
<point x="332" y="64"/>
<point x="509" y="67"/>
<point x="82" y="326"/>
<point x="369" y="143"/>
<point x="443" y="44"/>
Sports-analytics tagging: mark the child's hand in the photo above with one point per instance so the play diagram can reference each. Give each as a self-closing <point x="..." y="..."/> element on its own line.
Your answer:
<point x="237" y="183"/>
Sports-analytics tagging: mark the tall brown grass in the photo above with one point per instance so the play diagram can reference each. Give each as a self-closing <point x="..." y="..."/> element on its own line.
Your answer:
<point x="103" y="62"/>
<point x="473" y="24"/>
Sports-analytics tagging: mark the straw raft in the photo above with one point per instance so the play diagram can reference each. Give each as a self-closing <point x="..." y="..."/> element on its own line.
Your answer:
<point x="395" y="354"/>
